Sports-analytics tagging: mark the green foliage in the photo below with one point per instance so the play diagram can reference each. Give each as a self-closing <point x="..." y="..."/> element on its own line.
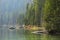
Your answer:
<point x="33" y="14"/>
<point x="52" y="14"/>
<point x="30" y="14"/>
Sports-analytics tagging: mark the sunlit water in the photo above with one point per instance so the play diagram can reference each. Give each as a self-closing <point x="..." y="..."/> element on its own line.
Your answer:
<point x="8" y="34"/>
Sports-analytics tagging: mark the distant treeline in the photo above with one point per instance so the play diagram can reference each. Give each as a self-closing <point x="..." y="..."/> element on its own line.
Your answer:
<point x="20" y="19"/>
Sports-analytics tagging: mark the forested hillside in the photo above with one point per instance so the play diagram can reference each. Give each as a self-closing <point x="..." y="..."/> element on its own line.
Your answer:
<point x="43" y="13"/>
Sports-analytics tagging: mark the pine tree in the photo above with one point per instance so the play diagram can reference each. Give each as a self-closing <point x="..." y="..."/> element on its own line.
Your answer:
<point x="52" y="14"/>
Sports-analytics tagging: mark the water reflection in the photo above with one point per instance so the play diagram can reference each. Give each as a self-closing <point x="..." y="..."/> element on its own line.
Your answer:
<point x="6" y="34"/>
<point x="50" y="37"/>
<point x="30" y="36"/>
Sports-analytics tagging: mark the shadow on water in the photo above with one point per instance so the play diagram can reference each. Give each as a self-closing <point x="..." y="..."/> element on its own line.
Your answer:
<point x="29" y="36"/>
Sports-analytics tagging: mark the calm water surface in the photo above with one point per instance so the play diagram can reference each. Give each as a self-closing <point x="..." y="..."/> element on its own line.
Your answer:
<point x="7" y="34"/>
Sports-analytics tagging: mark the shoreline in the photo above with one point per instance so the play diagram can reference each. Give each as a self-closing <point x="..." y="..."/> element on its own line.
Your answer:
<point x="37" y="30"/>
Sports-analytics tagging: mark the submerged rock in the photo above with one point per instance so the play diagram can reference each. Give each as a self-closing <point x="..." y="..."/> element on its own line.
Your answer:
<point x="12" y="28"/>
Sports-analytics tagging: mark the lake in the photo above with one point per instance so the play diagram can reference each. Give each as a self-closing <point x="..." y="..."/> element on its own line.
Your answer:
<point x="21" y="34"/>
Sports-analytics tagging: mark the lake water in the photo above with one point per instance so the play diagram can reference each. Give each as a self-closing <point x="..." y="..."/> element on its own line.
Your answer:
<point x="8" y="34"/>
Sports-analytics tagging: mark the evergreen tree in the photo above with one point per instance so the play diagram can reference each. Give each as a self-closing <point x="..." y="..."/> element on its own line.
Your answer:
<point x="52" y="14"/>
<point x="33" y="14"/>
